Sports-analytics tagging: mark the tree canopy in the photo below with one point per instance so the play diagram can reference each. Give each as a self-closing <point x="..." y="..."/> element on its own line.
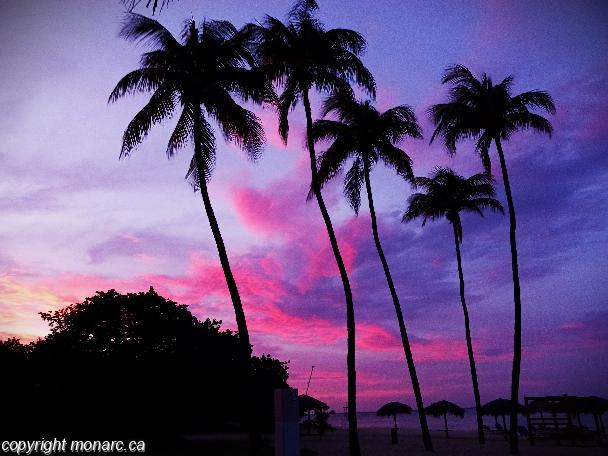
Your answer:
<point x="146" y="366"/>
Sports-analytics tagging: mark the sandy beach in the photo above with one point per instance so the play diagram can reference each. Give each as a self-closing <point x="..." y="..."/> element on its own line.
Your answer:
<point x="376" y="442"/>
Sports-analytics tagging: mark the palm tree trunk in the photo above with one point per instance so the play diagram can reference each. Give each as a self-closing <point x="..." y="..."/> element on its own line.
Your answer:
<point x="241" y="322"/>
<point x="513" y="443"/>
<point x="426" y="435"/>
<point x="445" y="425"/>
<point x="353" y="432"/>
<point x="467" y="329"/>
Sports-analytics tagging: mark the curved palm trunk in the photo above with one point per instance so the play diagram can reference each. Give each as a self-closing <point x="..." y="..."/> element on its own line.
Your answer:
<point x="426" y="435"/>
<point x="241" y="322"/>
<point x="353" y="432"/>
<point x="513" y="443"/>
<point x="480" y="433"/>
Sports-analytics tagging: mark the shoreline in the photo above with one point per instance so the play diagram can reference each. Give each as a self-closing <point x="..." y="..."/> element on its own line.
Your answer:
<point x="377" y="442"/>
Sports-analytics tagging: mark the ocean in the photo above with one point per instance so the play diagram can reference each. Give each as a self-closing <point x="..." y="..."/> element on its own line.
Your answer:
<point x="468" y="423"/>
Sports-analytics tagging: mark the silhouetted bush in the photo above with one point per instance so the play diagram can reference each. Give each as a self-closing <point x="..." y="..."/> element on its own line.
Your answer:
<point x="131" y="366"/>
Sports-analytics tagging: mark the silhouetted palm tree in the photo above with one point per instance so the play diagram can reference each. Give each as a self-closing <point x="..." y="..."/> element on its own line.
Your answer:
<point x="486" y="112"/>
<point x="365" y="136"/>
<point x="300" y="56"/>
<point x="447" y="195"/>
<point x="199" y="77"/>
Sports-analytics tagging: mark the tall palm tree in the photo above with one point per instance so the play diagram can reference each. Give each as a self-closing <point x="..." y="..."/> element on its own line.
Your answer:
<point x="488" y="112"/>
<point x="365" y="136"/>
<point x="447" y="195"/>
<point x="199" y="77"/>
<point x="300" y="56"/>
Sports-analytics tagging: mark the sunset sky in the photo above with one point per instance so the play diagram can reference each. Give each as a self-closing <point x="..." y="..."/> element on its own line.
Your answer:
<point x="75" y="219"/>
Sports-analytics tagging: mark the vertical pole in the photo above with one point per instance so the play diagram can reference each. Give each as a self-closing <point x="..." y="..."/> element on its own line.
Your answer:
<point x="310" y="376"/>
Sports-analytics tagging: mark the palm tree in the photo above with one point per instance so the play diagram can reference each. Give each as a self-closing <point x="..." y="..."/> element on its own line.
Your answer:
<point x="301" y="56"/>
<point x="447" y="195"/>
<point x="198" y="77"/>
<point x="486" y="112"/>
<point x="366" y="136"/>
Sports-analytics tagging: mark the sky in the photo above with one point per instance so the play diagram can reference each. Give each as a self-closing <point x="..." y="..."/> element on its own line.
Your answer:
<point x="75" y="219"/>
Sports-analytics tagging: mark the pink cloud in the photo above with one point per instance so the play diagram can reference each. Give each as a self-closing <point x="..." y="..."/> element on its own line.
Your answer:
<point x="376" y="338"/>
<point x="572" y="325"/>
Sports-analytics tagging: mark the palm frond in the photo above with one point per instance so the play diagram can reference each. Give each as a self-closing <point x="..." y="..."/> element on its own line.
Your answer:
<point x="131" y="4"/>
<point x="418" y="207"/>
<point x="353" y="181"/>
<point x="396" y="159"/>
<point x="482" y="180"/>
<point x="400" y="122"/>
<point x="340" y="102"/>
<point x="350" y="67"/>
<point x="453" y="121"/>
<point x="302" y="8"/>
<point x="149" y="32"/>
<point x="533" y="99"/>
<point x="347" y="39"/>
<point x="203" y="160"/>
<point x="159" y="108"/>
<point x="183" y="130"/>
<point x="488" y="203"/>
<point x="238" y="125"/>
<point x="217" y="30"/>
<point x="140" y="80"/>
<point x="460" y="75"/>
<point x="287" y="102"/>
<point x="328" y="130"/>
<point x="529" y="121"/>
<point x="483" y="149"/>
<point x="331" y="161"/>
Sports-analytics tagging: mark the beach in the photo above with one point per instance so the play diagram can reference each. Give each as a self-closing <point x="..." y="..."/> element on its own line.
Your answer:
<point x="376" y="442"/>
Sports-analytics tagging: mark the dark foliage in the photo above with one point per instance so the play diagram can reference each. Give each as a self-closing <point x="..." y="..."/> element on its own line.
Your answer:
<point x="131" y="366"/>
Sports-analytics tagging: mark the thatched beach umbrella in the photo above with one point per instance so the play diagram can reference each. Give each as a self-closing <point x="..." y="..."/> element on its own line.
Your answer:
<point x="500" y="407"/>
<point x="443" y="408"/>
<point x="308" y="404"/>
<point x="391" y="409"/>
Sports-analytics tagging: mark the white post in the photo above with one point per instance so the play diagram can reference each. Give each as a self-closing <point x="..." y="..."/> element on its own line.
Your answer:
<point x="286" y="422"/>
